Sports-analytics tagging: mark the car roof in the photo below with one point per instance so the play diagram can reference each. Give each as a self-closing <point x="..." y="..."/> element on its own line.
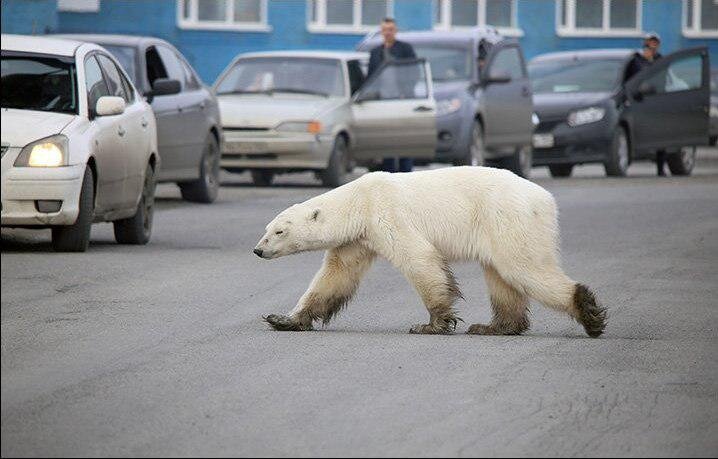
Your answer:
<point x="110" y="39"/>
<point x="586" y="54"/>
<point x="340" y="55"/>
<point x="458" y="36"/>
<point x="40" y="44"/>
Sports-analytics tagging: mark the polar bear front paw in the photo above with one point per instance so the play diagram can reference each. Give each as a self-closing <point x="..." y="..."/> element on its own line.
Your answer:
<point x="285" y="323"/>
<point x="428" y="329"/>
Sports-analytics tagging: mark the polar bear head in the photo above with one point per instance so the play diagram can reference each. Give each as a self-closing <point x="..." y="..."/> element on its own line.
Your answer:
<point x="300" y="228"/>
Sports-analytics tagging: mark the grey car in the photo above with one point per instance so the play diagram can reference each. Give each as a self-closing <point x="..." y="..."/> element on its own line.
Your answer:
<point x="483" y="96"/>
<point x="188" y="120"/>
<point x="713" y="130"/>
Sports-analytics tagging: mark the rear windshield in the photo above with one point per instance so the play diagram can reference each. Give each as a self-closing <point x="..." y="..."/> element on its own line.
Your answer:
<point x="126" y="55"/>
<point x="447" y="63"/>
<point x="571" y="75"/>
<point x="35" y="82"/>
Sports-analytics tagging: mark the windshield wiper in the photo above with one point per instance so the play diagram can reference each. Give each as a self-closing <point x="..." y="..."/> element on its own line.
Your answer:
<point x="243" y="91"/>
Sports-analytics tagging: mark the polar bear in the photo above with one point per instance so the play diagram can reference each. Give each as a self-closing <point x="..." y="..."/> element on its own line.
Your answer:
<point x="421" y="222"/>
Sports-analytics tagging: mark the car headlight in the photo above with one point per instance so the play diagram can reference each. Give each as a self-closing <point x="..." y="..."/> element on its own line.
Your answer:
<point x="535" y="119"/>
<point x="714" y="111"/>
<point x="447" y="106"/>
<point x="48" y="152"/>
<point x="586" y="115"/>
<point x="312" y="127"/>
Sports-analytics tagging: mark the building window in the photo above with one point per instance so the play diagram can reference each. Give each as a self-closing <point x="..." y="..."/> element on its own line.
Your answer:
<point x="700" y="18"/>
<point x="347" y="16"/>
<point x="501" y="14"/>
<point x="595" y="18"/>
<point x="248" y="15"/>
<point x="78" y="6"/>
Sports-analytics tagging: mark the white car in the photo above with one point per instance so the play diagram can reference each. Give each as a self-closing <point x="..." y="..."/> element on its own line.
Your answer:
<point x="79" y="143"/>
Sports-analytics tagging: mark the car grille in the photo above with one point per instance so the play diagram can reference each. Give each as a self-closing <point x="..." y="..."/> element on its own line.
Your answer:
<point x="548" y="125"/>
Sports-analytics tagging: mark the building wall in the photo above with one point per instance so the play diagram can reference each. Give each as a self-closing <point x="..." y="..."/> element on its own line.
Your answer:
<point x="210" y="51"/>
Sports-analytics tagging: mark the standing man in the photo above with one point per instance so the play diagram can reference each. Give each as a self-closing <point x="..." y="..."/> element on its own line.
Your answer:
<point x="648" y="55"/>
<point x="391" y="49"/>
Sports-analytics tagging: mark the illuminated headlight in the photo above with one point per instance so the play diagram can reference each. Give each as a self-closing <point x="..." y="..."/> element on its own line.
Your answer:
<point x="447" y="106"/>
<point x="312" y="127"/>
<point x="47" y="152"/>
<point x="714" y="111"/>
<point x="585" y="116"/>
<point x="535" y="119"/>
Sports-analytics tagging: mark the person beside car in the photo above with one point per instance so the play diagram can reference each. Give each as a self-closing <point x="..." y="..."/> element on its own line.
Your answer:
<point x="391" y="49"/>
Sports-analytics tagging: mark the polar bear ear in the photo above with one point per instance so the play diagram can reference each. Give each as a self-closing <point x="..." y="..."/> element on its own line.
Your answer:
<point x="315" y="215"/>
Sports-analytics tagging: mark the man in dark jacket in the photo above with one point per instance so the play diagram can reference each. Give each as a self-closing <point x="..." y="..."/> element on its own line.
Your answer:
<point x="646" y="58"/>
<point x="391" y="49"/>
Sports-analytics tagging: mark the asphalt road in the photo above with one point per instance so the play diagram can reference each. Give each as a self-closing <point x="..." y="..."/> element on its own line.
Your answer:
<point x="160" y="350"/>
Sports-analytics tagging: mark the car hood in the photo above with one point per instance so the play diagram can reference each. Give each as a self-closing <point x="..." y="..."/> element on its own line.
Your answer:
<point x="20" y="127"/>
<point x="449" y="90"/>
<point x="560" y="104"/>
<point x="266" y="111"/>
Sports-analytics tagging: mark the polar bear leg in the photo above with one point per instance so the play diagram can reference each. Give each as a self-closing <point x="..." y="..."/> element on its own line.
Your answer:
<point x="510" y="307"/>
<point x="331" y="289"/>
<point x="431" y="276"/>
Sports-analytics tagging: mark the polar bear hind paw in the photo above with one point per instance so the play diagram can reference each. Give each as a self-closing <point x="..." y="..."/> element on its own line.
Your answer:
<point x="285" y="323"/>
<point x="440" y="327"/>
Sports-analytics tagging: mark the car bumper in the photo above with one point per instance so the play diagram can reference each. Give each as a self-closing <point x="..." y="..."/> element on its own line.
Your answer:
<point x="24" y="189"/>
<point x="713" y="126"/>
<point x="275" y="150"/>
<point x="573" y="145"/>
<point x="453" y="136"/>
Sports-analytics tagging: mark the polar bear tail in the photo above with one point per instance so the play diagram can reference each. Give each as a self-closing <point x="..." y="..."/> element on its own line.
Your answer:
<point x="590" y="314"/>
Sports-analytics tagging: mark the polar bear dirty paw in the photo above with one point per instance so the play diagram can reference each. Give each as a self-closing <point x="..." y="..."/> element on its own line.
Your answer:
<point x="445" y="326"/>
<point x="285" y="323"/>
<point x="481" y="329"/>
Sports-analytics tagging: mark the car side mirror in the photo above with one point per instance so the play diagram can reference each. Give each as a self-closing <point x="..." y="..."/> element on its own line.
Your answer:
<point x="164" y="87"/>
<point x="109" y="106"/>
<point x="498" y="77"/>
<point x="645" y="89"/>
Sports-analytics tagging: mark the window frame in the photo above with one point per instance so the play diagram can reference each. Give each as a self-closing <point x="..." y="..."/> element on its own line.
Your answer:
<point x="321" y="26"/>
<point x="193" y="23"/>
<point x="696" y="29"/>
<point x="570" y="29"/>
<point x="444" y="8"/>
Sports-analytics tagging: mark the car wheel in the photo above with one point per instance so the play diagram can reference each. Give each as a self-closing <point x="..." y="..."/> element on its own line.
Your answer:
<point x="138" y="228"/>
<point x="620" y="155"/>
<point x="339" y="164"/>
<point x="476" y="152"/>
<point x="76" y="237"/>
<point x="682" y="162"/>
<point x="262" y="177"/>
<point x="520" y="162"/>
<point x="560" y="170"/>
<point x="206" y="188"/>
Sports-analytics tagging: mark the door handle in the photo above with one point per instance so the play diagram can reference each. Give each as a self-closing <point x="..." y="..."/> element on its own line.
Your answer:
<point x="423" y="108"/>
<point x="121" y="131"/>
<point x="201" y="105"/>
<point x="144" y="123"/>
<point x="525" y="91"/>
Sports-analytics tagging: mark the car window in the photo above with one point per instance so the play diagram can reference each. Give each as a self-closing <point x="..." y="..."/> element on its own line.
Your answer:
<point x="172" y="64"/>
<point x="190" y="79"/>
<point x="32" y="82"/>
<point x="572" y="75"/>
<point x="356" y="75"/>
<point x="94" y="83"/>
<point x="155" y="67"/>
<point x="126" y="56"/>
<point x="447" y="63"/>
<point x="683" y="74"/>
<point x="114" y="80"/>
<point x="398" y="80"/>
<point x="508" y="61"/>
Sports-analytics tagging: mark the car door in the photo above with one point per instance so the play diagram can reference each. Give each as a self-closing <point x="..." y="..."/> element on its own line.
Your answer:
<point x="192" y="132"/>
<point x="394" y="113"/>
<point x="668" y="102"/>
<point x="134" y="123"/>
<point x="109" y="141"/>
<point x="506" y="103"/>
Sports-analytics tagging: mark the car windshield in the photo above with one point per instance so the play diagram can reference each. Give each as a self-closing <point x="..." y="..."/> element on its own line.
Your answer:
<point x="127" y="58"/>
<point x="32" y="82"/>
<point x="271" y="75"/>
<point x="447" y="63"/>
<point x="714" y="84"/>
<point x="571" y="75"/>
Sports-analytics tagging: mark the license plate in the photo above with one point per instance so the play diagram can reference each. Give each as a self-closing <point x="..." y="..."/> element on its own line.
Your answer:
<point x="543" y="140"/>
<point x="245" y="147"/>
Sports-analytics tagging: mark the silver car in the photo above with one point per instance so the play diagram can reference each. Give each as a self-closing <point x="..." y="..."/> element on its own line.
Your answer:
<point x="316" y="111"/>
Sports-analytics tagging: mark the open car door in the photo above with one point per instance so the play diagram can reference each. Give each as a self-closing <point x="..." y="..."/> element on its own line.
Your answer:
<point x="668" y="102"/>
<point x="394" y="113"/>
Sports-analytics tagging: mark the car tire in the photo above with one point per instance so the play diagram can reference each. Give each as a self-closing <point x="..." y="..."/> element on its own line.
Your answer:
<point x="206" y="188"/>
<point x="137" y="229"/>
<point x="560" y="170"/>
<point x="76" y="237"/>
<point x="475" y="154"/>
<point x="519" y="163"/>
<point x="262" y="177"/>
<point x="620" y="154"/>
<point x="682" y="162"/>
<point x="339" y="164"/>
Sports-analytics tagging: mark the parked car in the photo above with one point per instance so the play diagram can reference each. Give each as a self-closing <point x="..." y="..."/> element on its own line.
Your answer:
<point x="288" y="111"/>
<point x="588" y="113"/>
<point x="714" y="108"/>
<point x="188" y="122"/>
<point x="79" y="144"/>
<point x="484" y="116"/>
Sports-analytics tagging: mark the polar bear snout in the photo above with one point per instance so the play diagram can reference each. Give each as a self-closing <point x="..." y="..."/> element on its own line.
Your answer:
<point x="259" y="252"/>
